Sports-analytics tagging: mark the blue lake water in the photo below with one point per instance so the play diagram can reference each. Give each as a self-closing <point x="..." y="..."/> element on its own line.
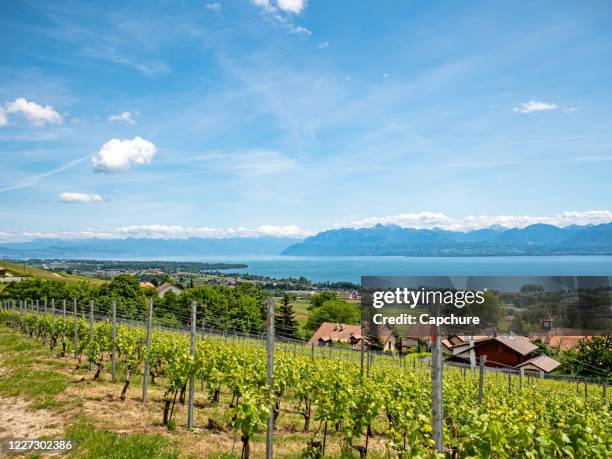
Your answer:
<point x="334" y="269"/>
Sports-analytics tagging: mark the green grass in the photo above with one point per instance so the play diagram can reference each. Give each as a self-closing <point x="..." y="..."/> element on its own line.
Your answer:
<point x="19" y="269"/>
<point x="92" y="442"/>
<point x="19" y="354"/>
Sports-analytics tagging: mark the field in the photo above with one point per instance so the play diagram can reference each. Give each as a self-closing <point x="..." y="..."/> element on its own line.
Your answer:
<point x="26" y="270"/>
<point x="322" y="407"/>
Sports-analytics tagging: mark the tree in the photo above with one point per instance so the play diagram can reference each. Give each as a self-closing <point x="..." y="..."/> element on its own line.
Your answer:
<point x="317" y="300"/>
<point x="284" y="321"/>
<point x="126" y="291"/>
<point x="592" y="358"/>
<point x="338" y="311"/>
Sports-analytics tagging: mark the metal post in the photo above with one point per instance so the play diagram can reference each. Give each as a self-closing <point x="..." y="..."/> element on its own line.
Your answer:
<point x="91" y="330"/>
<point x="75" y="328"/>
<point x="203" y="325"/>
<point x="483" y="359"/>
<point x="368" y="363"/>
<point x="45" y="306"/>
<point x="52" y="319"/>
<point x="270" y="378"/>
<point x="114" y="337"/>
<point x="145" y="380"/>
<point x="509" y="382"/>
<point x="312" y="352"/>
<point x="521" y="376"/>
<point x="192" y="378"/>
<point x="362" y="356"/>
<point x="436" y="388"/>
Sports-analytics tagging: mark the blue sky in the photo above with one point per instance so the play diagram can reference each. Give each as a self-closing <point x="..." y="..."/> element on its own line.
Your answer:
<point x="287" y="117"/>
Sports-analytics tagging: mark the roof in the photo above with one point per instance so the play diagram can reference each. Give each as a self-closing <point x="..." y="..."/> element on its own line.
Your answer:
<point x="166" y="286"/>
<point x="520" y="344"/>
<point x="330" y="331"/>
<point x="542" y="362"/>
<point x="146" y="285"/>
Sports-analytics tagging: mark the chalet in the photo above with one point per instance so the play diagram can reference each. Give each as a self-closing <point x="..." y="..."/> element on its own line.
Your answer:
<point x="329" y="333"/>
<point x="500" y="351"/>
<point x="168" y="287"/>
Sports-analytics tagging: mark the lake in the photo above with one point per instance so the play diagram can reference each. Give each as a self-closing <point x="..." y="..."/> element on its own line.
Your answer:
<point x="333" y="269"/>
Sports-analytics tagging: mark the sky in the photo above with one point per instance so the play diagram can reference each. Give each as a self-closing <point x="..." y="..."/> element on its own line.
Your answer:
<point x="288" y="117"/>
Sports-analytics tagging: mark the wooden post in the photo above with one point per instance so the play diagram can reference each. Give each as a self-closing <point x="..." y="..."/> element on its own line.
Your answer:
<point x="437" y="420"/>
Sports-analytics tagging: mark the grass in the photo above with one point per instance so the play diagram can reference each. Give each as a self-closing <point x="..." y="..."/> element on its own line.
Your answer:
<point x="25" y="270"/>
<point x="19" y="356"/>
<point x="92" y="442"/>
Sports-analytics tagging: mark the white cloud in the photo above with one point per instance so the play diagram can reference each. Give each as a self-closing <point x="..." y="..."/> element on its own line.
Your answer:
<point x="79" y="197"/>
<point x="3" y="119"/>
<point x="118" y="155"/>
<point x="282" y="12"/>
<point x="534" y="106"/>
<point x="159" y="231"/>
<point x="125" y="116"/>
<point x="292" y="6"/>
<point x="215" y="6"/>
<point x="38" y="115"/>
<point x="322" y="44"/>
<point x="439" y="220"/>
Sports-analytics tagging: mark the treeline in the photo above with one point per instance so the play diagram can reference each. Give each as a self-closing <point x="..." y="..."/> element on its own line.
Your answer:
<point x="232" y="309"/>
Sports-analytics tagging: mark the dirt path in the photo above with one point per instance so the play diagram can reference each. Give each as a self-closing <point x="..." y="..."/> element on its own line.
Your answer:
<point x="19" y="420"/>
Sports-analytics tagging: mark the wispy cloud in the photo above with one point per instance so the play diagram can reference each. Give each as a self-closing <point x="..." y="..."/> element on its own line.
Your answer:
<point x="282" y="13"/>
<point x="322" y="44"/>
<point x="535" y="106"/>
<point x="249" y="162"/>
<point x="33" y="179"/>
<point x="70" y="197"/>
<point x="215" y="6"/>
<point x="126" y="117"/>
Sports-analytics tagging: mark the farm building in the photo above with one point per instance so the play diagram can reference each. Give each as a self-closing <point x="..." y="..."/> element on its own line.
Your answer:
<point x="329" y="333"/>
<point x="168" y="287"/>
<point x="540" y="363"/>
<point x="501" y="351"/>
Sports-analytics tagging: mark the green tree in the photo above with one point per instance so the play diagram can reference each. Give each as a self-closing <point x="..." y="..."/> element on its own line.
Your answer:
<point x="317" y="300"/>
<point x="284" y="321"/>
<point x="126" y="291"/>
<point x="338" y="311"/>
<point x="592" y="358"/>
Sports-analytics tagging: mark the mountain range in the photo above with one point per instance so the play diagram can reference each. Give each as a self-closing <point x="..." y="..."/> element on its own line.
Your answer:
<point x="538" y="239"/>
<point x="144" y="247"/>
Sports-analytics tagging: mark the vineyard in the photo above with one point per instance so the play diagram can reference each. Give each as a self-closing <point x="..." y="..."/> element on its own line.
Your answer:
<point x="336" y="409"/>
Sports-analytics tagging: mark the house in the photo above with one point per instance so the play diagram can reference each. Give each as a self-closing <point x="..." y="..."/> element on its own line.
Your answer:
<point x="168" y="287"/>
<point x="329" y="333"/>
<point x="146" y="285"/>
<point x="3" y="271"/>
<point x="500" y="351"/>
<point x="539" y="363"/>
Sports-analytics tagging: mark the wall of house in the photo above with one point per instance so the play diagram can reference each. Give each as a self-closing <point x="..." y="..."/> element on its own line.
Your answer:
<point x="497" y="352"/>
